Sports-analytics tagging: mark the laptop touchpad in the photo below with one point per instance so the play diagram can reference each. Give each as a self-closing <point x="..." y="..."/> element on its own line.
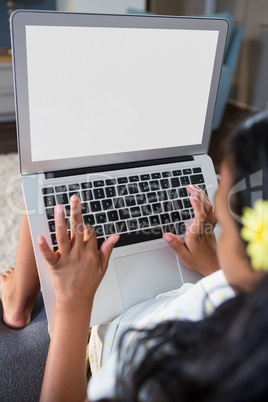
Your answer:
<point x="143" y="276"/>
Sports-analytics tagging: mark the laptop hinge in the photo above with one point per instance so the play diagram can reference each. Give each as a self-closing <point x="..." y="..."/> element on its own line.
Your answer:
<point x="117" y="166"/>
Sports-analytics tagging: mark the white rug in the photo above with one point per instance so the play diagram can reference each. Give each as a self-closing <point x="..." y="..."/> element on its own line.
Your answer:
<point x="11" y="207"/>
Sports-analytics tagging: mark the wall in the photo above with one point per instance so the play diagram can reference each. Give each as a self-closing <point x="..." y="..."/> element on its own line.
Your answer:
<point x="250" y="83"/>
<point x="26" y="4"/>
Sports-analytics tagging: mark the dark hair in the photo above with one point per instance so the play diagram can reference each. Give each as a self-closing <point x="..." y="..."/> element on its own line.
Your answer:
<point x="223" y="357"/>
<point x="247" y="157"/>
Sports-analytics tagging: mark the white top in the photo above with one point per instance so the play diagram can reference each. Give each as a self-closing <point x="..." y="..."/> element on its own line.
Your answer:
<point x="191" y="302"/>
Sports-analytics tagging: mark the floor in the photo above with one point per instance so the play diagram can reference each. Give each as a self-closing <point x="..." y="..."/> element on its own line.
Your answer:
<point x="231" y="119"/>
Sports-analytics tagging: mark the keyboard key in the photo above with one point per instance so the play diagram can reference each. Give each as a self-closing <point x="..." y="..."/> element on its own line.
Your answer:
<point x="187" y="203"/>
<point x="146" y="209"/>
<point x="130" y="201"/>
<point x="197" y="170"/>
<point x="84" y="208"/>
<point x="122" y="180"/>
<point x="165" y="218"/>
<point x="167" y="206"/>
<point x="166" y="174"/>
<point x="112" y="216"/>
<point x="110" y="182"/>
<point x="185" y="180"/>
<point x="73" y="187"/>
<point x="133" y="188"/>
<point x="177" y="204"/>
<point x="124" y="214"/>
<point x="133" y="179"/>
<point x="145" y="177"/>
<point x="89" y="220"/>
<point x="51" y="225"/>
<point x="156" y="175"/>
<point x="183" y="192"/>
<point x="180" y="228"/>
<point x="154" y="185"/>
<point x="162" y="195"/>
<point x="197" y="179"/>
<point x="110" y="192"/>
<point x="49" y="201"/>
<point x="74" y="193"/>
<point x="187" y="171"/>
<point x="122" y="190"/>
<point x="185" y="214"/>
<point x="177" y="172"/>
<point x="157" y="208"/>
<point x="151" y="197"/>
<point x="53" y="239"/>
<point x="99" y="230"/>
<point x="172" y="194"/>
<point x="86" y="185"/>
<point x="95" y="206"/>
<point x="101" y="218"/>
<point x="175" y="182"/>
<point x="119" y="202"/>
<point x="98" y="193"/>
<point x="121" y="226"/>
<point x="47" y="190"/>
<point x="144" y="186"/>
<point x="60" y="189"/>
<point x="143" y="222"/>
<point x="62" y="199"/>
<point x="175" y="216"/>
<point x="132" y="224"/>
<point x="107" y="204"/>
<point x="154" y="220"/>
<point x="139" y="236"/>
<point x="141" y="199"/>
<point x="50" y="213"/>
<point x="164" y="184"/>
<point x="98" y="183"/>
<point x="109" y="229"/>
<point x="87" y="195"/>
<point x="135" y="212"/>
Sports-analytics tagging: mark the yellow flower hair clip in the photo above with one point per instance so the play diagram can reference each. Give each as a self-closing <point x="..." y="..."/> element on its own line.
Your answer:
<point x="255" y="232"/>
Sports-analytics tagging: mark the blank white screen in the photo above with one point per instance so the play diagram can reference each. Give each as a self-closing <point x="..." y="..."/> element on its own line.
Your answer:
<point x="97" y="91"/>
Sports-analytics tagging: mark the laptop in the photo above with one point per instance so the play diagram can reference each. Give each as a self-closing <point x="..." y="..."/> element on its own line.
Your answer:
<point x="117" y="109"/>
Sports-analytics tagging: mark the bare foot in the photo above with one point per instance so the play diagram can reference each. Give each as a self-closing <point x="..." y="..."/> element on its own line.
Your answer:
<point x="16" y="308"/>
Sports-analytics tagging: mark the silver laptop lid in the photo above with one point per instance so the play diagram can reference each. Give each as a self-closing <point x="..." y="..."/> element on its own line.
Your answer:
<point x="103" y="89"/>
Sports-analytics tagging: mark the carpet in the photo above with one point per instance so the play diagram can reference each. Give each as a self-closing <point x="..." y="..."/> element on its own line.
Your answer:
<point x="11" y="208"/>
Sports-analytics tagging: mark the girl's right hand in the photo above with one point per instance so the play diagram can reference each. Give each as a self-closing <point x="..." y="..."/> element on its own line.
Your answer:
<point x="198" y="251"/>
<point x="77" y="267"/>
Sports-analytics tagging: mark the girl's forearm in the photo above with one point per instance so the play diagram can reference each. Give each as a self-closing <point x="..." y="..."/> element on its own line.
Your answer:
<point x="65" y="373"/>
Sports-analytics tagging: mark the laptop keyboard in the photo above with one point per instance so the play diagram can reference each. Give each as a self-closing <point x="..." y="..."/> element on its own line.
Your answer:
<point x="139" y="207"/>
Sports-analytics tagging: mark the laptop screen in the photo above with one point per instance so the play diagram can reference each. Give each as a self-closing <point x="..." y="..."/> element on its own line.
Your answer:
<point x="117" y="93"/>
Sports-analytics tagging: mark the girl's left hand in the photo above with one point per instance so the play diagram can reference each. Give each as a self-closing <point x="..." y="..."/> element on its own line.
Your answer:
<point x="198" y="251"/>
<point x="77" y="267"/>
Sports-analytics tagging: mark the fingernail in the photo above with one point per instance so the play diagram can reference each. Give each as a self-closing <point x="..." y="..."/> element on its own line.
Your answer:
<point x="167" y="237"/>
<point x="40" y="240"/>
<point x="59" y="211"/>
<point x="115" y="238"/>
<point x="75" y="198"/>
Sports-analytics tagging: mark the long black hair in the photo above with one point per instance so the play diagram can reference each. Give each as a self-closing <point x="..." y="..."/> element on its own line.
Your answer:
<point x="223" y="357"/>
<point x="247" y="158"/>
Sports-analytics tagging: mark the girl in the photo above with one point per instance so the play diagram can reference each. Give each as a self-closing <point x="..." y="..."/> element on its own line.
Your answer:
<point x="140" y="363"/>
